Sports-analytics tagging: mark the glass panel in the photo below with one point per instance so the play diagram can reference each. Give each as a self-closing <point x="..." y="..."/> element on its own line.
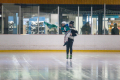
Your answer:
<point x="0" y="18"/>
<point x="98" y="19"/>
<point x="10" y="18"/>
<point x="112" y="17"/>
<point x="85" y="19"/>
<point x="29" y="19"/>
<point x="68" y="13"/>
<point x="48" y="14"/>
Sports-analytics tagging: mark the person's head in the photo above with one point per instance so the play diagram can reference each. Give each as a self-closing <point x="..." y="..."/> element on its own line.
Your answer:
<point x="71" y="24"/>
<point x="115" y="25"/>
<point x="63" y="23"/>
<point x="87" y="23"/>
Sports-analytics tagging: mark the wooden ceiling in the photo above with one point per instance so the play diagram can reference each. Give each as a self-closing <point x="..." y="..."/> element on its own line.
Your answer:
<point x="111" y="2"/>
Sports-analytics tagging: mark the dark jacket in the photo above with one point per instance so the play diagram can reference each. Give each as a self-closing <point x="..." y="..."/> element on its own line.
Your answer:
<point x="74" y="33"/>
<point x="115" y="31"/>
<point x="86" y="28"/>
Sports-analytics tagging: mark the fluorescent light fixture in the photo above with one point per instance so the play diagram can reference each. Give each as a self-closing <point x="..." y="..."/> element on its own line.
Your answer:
<point x="112" y="18"/>
<point x="109" y="23"/>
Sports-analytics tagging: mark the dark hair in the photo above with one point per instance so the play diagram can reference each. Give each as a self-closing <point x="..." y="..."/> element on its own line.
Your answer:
<point x="115" y="25"/>
<point x="87" y="23"/>
<point x="71" y="22"/>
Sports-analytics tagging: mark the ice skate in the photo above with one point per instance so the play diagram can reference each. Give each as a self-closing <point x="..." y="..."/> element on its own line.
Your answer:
<point x="65" y="43"/>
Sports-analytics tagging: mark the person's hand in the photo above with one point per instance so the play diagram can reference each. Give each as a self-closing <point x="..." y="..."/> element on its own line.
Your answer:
<point x="71" y="34"/>
<point x="60" y="27"/>
<point x="68" y="31"/>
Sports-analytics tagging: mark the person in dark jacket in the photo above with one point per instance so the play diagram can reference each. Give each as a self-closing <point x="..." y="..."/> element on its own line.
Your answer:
<point x="71" y="39"/>
<point x="115" y="30"/>
<point x="86" y="29"/>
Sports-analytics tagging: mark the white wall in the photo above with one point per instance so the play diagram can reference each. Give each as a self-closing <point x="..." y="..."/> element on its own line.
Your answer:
<point x="80" y="23"/>
<point x="54" y="19"/>
<point x="55" y="42"/>
<point x="94" y="24"/>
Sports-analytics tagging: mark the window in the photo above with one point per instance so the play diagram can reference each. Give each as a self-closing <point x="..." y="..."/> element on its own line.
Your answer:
<point x="85" y="19"/>
<point x="98" y="19"/>
<point x="68" y="13"/>
<point x="49" y="15"/>
<point x="0" y="18"/>
<point x="112" y="17"/>
<point x="47" y="18"/>
<point x="29" y="19"/>
<point x="10" y="18"/>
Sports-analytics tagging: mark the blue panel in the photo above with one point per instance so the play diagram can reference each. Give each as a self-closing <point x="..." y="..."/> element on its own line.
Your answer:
<point x="15" y="24"/>
<point x="10" y="18"/>
<point x="95" y="16"/>
<point x="112" y="16"/>
<point x="41" y="18"/>
<point x="31" y="19"/>
<point x="107" y="16"/>
<point x="35" y="19"/>
<point x="29" y="30"/>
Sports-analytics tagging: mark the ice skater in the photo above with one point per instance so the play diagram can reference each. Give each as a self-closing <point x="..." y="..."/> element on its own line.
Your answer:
<point x="73" y="33"/>
<point x="65" y="29"/>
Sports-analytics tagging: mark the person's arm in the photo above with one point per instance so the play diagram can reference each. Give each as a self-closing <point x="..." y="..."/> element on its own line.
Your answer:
<point x="68" y="31"/>
<point x="118" y="31"/>
<point x="112" y="32"/>
<point x="62" y="28"/>
<point x="74" y="32"/>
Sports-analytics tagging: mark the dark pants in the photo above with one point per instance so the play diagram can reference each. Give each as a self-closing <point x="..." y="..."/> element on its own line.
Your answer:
<point x="69" y="46"/>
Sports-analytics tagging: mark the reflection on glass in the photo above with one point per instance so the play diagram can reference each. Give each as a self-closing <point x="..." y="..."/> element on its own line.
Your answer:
<point x="10" y="18"/>
<point x="113" y="16"/>
<point x="98" y="19"/>
<point x="84" y="19"/>
<point x="86" y="29"/>
<point x="29" y="15"/>
<point x="0" y="18"/>
<point x="31" y="23"/>
<point x="49" y="14"/>
<point x="68" y="13"/>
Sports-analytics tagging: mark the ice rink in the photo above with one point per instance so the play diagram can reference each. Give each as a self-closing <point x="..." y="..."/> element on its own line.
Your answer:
<point x="55" y="66"/>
